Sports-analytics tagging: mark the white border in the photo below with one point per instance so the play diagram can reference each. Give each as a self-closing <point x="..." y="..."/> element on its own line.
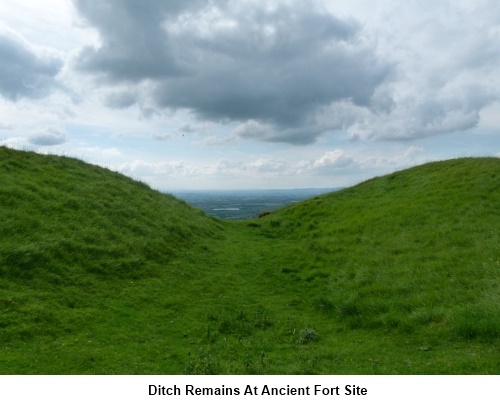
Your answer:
<point x="123" y="390"/>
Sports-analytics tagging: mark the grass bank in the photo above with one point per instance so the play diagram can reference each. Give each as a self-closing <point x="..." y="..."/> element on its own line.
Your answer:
<point x="99" y="274"/>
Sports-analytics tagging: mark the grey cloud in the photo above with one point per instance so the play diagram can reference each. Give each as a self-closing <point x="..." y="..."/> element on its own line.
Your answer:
<point x="234" y="62"/>
<point x="276" y="68"/>
<point x="292" y="72"/>
<point x="48" y="137"/>
<point x="188" y="128"/>
<point x="448" y="61"/>
<point x="134" y="44"/>
<point x="450" y="108"/>
<point x="24" y="72"/>
<point x="161" y="137"/>
<point x="301" y="135"/>
<point x="120" y="100"/>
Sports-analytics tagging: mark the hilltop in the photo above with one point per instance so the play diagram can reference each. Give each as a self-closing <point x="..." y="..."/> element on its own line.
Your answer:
<point x="100" y="274"/>
<point x="56" y="209"/>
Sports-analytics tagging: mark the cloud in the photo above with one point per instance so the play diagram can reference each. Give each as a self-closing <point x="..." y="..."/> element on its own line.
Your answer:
<point x="328" y="169"/>
<point x="162" y="137"/>
<point x="14" y="143"/>
<point x="411" y="156"/>
<point x="97" y="152"/>
<point x="48" y="137"/>
<point x="338" y="160"/>
<point x="215" y="140"/>
<point x="270" y="165"/>
<point x="333" y="158"/>
<point x="330" y="162"/>
<point x="426" y="111"/>
<point x="25" y="71"/>
<point x="251" y="129"/>
<point x="293" y="72"/>
<point x="272" y="67"/>
<point x="447" y="59"/>
<point x="167" y="168"/>
<point x="121" y="100"/>
<point x="134" y="45"/>
<point x="189" y="128"/>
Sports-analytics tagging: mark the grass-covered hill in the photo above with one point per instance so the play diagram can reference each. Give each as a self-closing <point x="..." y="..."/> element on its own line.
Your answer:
<point x="99" y="274"/>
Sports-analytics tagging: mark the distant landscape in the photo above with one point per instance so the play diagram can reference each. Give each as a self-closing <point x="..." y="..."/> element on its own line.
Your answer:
<point x="100" y="274"/>
<point x="245" y="204"/>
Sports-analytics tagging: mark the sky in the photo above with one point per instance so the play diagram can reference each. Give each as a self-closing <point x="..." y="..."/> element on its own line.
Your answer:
<point x="217" y="94"/>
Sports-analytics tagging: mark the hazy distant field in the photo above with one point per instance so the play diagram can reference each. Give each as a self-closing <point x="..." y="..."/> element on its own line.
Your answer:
<point x="244" y="204"/>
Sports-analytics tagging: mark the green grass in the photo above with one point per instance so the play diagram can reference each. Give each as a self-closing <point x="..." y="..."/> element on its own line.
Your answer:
<point x="99" y="274"/>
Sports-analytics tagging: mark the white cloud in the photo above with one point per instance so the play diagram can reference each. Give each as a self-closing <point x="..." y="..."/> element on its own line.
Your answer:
<point x="15" y="143"/>
<point x="328" y="169"/>
<point x="216" y="140"/>
<point x="170" y="168"/>
<point x="332" y="159"/>
<point x="251" y="129"/>
<point x="270" y="165"/>
<point x="328" y="163"/>
<point x="93" y="153"/>
<point x="411" y="156"/>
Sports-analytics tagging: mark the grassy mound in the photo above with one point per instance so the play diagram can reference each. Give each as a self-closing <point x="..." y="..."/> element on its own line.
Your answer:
<point x="415" y="249"/>
<point x="62" y="219"/>
<point x="101" y="274"/>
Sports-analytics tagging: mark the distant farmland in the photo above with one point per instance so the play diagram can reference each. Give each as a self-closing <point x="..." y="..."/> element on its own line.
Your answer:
<point x="245" y="204"/>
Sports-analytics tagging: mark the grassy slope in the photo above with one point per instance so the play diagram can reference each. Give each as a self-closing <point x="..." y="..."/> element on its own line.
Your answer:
<point x="100" y="274"/>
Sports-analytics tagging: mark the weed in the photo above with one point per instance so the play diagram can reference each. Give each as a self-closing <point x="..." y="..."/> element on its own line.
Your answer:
<point x="308" y="335"/>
